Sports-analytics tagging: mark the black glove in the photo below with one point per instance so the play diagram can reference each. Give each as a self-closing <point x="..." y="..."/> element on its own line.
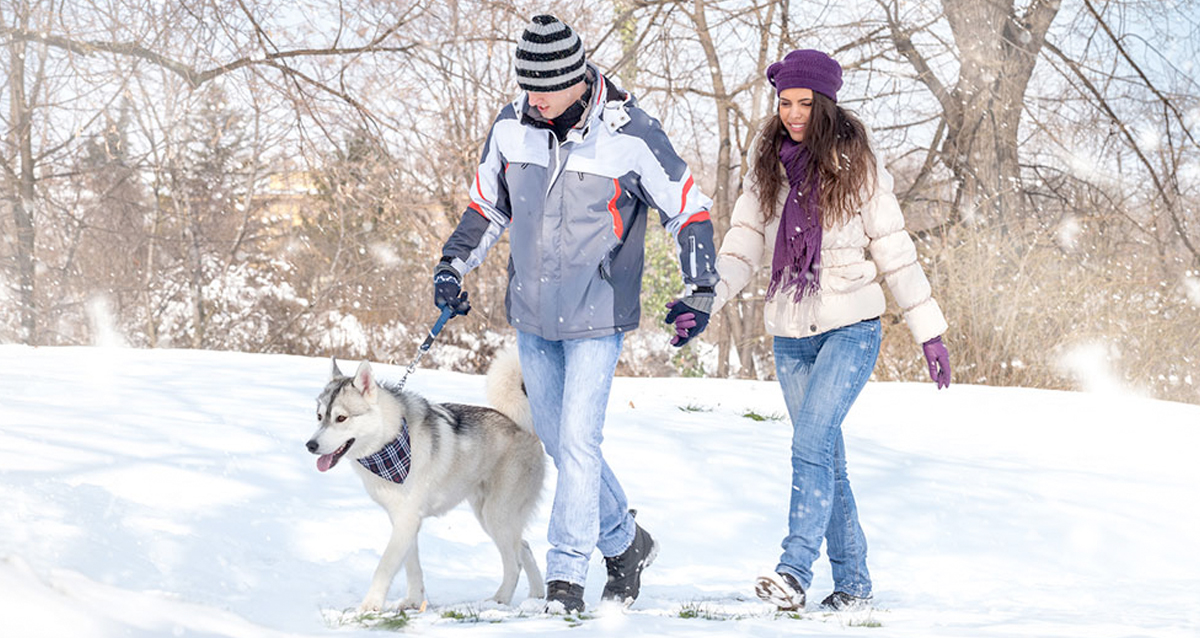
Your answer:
<point x="447" y="291"/>
<point x="690" y="315"/>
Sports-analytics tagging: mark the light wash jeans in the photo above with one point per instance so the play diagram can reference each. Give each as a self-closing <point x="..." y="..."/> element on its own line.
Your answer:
<point x="568" y="384"/>
<point x="821" y="377"/>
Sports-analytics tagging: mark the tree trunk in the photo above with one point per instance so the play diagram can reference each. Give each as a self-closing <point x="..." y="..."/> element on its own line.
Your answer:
<point x="740" y="325"/>
<point x="148" y="276"/>
<point x="625" y="24"/>
<point x="722" y="197"/>
<point x="192" y="238"/>
<point x="23" y="202"/>
<point x="997" y="50"/>
<point x="998" y="53"/>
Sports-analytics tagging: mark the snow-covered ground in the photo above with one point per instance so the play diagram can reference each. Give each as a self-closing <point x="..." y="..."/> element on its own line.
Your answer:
<point x="168" y="493"/>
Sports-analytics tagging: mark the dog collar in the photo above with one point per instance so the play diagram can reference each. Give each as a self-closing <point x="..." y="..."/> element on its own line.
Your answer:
<point x="392" y="462"/>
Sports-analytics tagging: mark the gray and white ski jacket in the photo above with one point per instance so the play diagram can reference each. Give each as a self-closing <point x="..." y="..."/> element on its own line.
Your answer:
<point x="578" y="212"/>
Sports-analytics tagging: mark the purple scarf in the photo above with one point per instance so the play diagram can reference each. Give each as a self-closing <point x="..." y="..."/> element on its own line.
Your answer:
<point x="797" y="261"/>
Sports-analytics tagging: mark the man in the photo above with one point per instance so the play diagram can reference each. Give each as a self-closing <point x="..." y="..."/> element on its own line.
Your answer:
<point x="572" y="167"/>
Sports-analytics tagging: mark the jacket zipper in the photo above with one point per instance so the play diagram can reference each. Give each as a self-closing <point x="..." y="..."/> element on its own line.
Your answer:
<point x="557" y="165"/>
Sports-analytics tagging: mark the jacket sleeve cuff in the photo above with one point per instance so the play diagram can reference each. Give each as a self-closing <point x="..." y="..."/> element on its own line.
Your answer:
<point x="447" y="265"/>
<point x="926" y="321"/>
<point x="701" y="301"/>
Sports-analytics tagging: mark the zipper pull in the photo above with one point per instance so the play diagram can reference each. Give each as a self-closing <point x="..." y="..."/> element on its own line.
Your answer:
<point x="692" y="243"/>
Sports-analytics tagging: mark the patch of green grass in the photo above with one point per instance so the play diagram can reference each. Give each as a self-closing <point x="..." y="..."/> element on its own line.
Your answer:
<point x="863" y="618"/>
<point x="461" y="616"/>
<point x="384" y="621"/>
<point x="844" y="618"/>
<point x="692" y="407"/>
<point x="576" y="620"/>
<point x="471" y="615"/>
<point x="704" y="611"/>
<point x="392" y="624"/>
<point x="754" y="416"/>
<point x="697" y="610"/>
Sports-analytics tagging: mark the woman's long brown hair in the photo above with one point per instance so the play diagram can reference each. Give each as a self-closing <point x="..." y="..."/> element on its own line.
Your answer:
<point x="843" y="160"/>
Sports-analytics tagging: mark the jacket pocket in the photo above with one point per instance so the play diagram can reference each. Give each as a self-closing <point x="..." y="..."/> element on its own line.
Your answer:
<point x="847" y="279"/>
<point x="606" y="266"/>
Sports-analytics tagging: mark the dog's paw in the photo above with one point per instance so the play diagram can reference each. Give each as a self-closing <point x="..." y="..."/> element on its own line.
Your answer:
<point x="412" y="603"/>
<point x="371" y="604"/>
<point x="503" y="602"/>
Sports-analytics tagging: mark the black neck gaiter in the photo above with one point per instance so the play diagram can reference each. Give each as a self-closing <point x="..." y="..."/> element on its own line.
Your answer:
<point x="570" y="117"/>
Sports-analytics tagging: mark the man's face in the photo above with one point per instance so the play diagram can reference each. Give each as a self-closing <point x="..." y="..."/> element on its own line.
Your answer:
<point x="551" y="105"/>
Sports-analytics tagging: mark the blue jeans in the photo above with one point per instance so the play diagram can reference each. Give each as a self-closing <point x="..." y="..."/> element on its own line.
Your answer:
<point x="821" y="377"/>
<point x="568" y="384"/>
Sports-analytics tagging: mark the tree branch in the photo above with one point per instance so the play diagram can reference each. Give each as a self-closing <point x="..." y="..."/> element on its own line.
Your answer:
<point x="925" y="74"/>
<point x="193" y="76"/>
<point x="1180" y="228"/>
<point x="1167" y="103"/>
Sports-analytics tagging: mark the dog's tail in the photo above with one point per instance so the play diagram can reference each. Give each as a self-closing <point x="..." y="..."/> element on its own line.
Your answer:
<point x="506" y="388"/>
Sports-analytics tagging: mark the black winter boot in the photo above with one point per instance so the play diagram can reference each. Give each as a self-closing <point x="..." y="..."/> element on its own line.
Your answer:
<point x="841" y="601"/>
<point x="625" y="571"/>
<point x="563" y="597"/>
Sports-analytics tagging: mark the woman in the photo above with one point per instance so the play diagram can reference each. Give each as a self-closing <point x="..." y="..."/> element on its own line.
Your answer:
<point x="814" y="199"/>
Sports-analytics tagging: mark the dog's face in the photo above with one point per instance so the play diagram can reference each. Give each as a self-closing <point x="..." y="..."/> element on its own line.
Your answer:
<point x="347" y="410"/>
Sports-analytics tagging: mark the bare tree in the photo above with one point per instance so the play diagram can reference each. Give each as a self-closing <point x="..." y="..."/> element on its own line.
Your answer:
<point x="50" y="48"/>
<point x="1161" y="156"/>
<point x="997" y="47"/>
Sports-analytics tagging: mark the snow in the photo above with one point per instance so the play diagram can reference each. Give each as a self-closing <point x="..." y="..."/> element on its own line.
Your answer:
<point x="1191" y="287"/>
<point x="1149" y="139"/>
<point x="168" y="493"/>
<point x="1067" y="235"/>
<point x="1090" y="363"/>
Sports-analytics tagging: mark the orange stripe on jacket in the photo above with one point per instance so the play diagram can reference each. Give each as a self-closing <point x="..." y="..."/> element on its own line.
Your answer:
<point x="475" y="205"/>
<point x="701" y="216"/>
<point x="618" y="225"/>
<point x="478" y="187"/>
<point x="686" y="187"/>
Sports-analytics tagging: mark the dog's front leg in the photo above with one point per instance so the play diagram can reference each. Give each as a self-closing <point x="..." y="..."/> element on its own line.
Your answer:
<point x="416" y="583"/>
<point x="404" y="535"/>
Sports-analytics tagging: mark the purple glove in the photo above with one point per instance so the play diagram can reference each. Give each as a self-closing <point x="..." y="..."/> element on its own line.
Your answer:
<point x="683" y="323"/>
<point x="939" y="361"/>
<point x="689" y="320"/>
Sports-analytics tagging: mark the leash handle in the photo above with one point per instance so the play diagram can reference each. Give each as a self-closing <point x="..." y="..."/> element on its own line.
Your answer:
<point x="447" y="313"/>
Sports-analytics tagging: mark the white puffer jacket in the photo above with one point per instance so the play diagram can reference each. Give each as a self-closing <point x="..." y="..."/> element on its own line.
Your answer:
<point x="849" y="287"/>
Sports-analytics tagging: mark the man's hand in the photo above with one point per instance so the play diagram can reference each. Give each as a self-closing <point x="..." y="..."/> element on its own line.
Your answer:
<point x="447" y="291"/>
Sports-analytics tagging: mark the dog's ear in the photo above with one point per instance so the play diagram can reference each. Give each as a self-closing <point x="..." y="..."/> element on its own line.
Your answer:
<point x="364" y="381"/>
<point x="335" y="372"/>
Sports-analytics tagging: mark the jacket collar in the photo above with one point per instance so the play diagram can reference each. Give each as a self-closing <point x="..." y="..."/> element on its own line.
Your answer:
<point x="607" y="104"/>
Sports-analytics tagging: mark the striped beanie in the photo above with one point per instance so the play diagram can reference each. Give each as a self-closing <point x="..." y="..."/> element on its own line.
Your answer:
<point x="549" y="56"/>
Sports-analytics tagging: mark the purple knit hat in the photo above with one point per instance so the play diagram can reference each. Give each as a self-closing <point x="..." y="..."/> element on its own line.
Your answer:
<point x="807" y="69"/>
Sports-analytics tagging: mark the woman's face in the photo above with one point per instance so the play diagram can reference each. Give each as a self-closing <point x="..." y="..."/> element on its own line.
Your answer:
<point x="795" y="107"/>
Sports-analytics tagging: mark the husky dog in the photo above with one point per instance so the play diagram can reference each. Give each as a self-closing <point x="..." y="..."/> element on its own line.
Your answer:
<point x="419" y="459"/>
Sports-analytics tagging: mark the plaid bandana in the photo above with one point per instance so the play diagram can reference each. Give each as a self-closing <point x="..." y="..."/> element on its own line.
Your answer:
<point x="392" y="462"/>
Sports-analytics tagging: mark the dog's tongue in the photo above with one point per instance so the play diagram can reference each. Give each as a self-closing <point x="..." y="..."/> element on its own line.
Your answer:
<point x="324" y="462"/>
